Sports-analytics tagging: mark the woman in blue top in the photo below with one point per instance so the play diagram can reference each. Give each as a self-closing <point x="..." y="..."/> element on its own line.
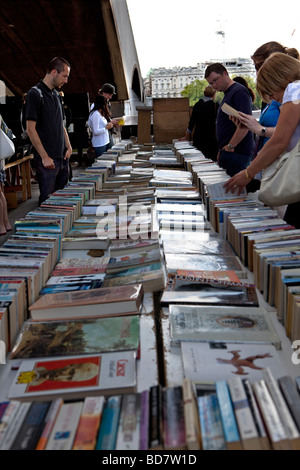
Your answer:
<point x="279" y="80"/>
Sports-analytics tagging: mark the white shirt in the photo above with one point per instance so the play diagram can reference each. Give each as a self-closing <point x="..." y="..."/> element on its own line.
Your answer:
<point x="98" y="124"/>
<point x="292" y="93"/>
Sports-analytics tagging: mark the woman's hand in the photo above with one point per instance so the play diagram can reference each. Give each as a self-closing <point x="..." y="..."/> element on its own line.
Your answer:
<point x="250" y="122"/>
<point x="109" y="125"/>
<point x="238" y="181"/>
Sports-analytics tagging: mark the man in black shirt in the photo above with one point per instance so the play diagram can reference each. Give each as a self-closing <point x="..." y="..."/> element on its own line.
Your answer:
<point x="46" y="130"/>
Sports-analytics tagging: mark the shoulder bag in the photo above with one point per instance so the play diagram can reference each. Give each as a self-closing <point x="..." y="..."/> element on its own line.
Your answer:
<point x="280" y="184"/>
<point x="7" y="147"/>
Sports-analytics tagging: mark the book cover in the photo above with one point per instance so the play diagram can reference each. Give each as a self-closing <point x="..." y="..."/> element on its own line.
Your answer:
<point x="204" y="361"/>
<point x="14" y="426"/>
<point x="8" y="417"/>
<point x="230" y="428"/>
<point x="128" y="437"/>
<point x="74" y="337"/>
<point x="173" y="424"/>
<point x="109" y="424"/>
<point x="123" y="262"/>
<point x="212" y="434"/>
<point x="82" y="304"/>
<point x="75" y="376"/>
<point x="204" y="262"/>
<point x="65" y="426"/>
<point x="151" y="276"/>
<point x="88" y="426"/>
<point x="222" y="324"/>
<point x="189" y="290"/>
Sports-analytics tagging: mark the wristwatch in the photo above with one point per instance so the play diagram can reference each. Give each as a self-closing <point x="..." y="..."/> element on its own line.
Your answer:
<point x="230" y="146"/>
<point x="264" y="131"/>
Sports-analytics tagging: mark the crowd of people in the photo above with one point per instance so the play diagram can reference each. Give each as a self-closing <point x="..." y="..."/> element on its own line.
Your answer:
<point x="242" y="145"/>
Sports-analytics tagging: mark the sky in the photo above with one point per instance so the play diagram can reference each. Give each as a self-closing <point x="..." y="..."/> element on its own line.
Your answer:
<point x="170" y="33"/>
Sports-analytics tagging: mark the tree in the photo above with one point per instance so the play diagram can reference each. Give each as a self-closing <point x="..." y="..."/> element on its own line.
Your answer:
<point x="195" y="91"/>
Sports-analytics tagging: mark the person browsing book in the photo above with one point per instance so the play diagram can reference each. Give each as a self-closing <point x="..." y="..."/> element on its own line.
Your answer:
<point x="46" y="130"/>
<point x="279" y="80"/>
<point x="203" y="123"/>
<point x="100" y="124"/>
<point x="236" y="144"/>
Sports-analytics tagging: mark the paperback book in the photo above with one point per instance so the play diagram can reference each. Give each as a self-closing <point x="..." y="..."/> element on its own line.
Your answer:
<point x="74" y="337"/>
<point x="75" y="377"/>
<point x="218" y="323"/>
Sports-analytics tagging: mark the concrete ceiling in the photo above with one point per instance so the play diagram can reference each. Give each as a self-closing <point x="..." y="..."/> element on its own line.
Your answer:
<point x="82" y="31"/>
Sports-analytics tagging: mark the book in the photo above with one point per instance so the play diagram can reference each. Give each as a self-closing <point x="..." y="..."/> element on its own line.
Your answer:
<point x="271" y="417"/>
<point x="123" y="262"/>
<point x="291" y="395"/>
<point x="150" y="276"/>
<point x="204" y="361"/>
<point x="193" y="290"/>
<point x="230" y="428"/>
<point x="259" y="423"/>
<point x="155" y="418"/>
<point x="222" y="324"/>
<point x="212" y="434"/>
<point x="82" y="243"/>
<point x="73" y="337"/>
<point x="125" y="247"/>
<point x="32" y="427"/>
<point x="116" y="300"/>
<point x="65" y="426"/>
<point x="173" y="423"/>
<point x="248" y="431"/>
<point x="128" y="436"/>
<point x="212" y="246"/>
<point x="289" y="425"/>
<point x="109" y="423"/>
<point x="49" y="423"/>
<point x="89" y="422"/>
<point x="75" y="376"/>
<point x="144" y="418"/>
<point x="14" y="426"/>
<point x="204" y="262"/>
<point x="78" y="266"/>
<point x="191" y="416"/>
<point x="8" y="417"/>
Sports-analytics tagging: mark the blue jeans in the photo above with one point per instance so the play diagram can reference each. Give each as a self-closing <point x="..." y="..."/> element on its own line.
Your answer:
<point x="233" y="162"/>
<point x="100" y="150"/>
<point x="51" y="180"/>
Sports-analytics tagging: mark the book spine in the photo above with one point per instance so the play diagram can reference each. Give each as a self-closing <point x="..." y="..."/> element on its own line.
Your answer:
<point x="270" y="416"/>
<point x="144" y="431"/>
<point x="283" y="410"/>
<point x="15" y="426"/>
<point x="87" y="431"/>
<point x="128" y="436"/>
<point x="231" y="431"/>
<point x="65" y="426"/>
<point x="109" y="424"/>
<point x="155" y="415"/>
<point x="243" y="413"/>
<point x="291" y="395"/>
<point x="191" y="416"/>
<point x="49" y="423"/>
<point x="8" y="417"/>
<point x="32" y="426"/>
<point x="212" y="435"/>
<point x="174" y="436"/>
<point x="265" y="443"/>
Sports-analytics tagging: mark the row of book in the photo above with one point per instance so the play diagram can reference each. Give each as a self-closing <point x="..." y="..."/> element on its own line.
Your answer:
<point x="123" y="228"/>
<point x="232" y="414"/>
